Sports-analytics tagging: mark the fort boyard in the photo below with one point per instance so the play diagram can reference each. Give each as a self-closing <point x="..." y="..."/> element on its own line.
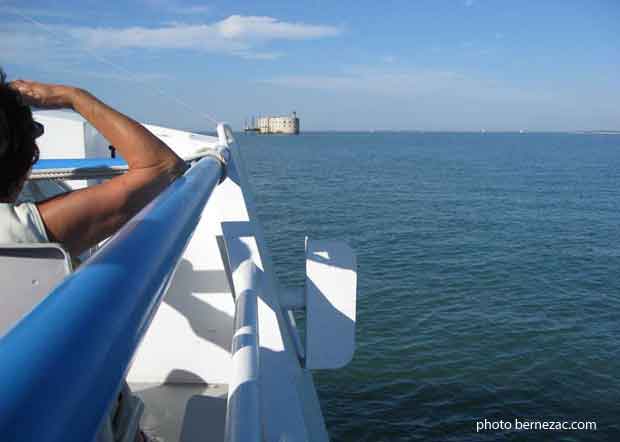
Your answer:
<point x="275" y="125"/>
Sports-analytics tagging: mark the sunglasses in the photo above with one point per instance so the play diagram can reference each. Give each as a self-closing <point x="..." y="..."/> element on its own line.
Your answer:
<point x="37" y="129"/>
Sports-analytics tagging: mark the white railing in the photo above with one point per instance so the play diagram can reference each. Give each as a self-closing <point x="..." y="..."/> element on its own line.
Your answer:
<point x="243" y="420"/>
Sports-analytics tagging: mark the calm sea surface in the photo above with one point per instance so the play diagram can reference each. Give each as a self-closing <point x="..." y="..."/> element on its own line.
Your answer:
<point x="489" y="276"/>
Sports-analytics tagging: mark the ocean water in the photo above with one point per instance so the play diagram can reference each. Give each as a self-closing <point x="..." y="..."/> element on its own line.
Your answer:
<point x="488" y="272"/>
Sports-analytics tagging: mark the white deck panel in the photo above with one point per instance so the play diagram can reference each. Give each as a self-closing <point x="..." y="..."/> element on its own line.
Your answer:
<point x="190" y="336"/>
<point x="68" y="135"/>
<point x="182" y="412"/>
<point x="182" y="142"/>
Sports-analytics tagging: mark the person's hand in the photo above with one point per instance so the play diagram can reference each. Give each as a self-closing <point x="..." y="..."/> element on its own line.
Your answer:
<point x="42" y="95"/>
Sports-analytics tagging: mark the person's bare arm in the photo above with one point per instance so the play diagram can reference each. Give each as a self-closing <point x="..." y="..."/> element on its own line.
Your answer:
<point x="81" y="219"/>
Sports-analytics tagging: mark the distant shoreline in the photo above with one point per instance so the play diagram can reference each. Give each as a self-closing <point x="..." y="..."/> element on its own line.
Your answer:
<point x="488" y="132"/>
<point x="599" y="132"/>
<point x="516" y="132"/>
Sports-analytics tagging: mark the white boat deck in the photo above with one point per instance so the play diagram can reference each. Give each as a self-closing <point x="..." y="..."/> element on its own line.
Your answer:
<point x="183" y="412"/>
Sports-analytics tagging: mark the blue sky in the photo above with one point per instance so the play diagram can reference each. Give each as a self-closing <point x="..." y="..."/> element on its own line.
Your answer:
<point x="346" y="65"/>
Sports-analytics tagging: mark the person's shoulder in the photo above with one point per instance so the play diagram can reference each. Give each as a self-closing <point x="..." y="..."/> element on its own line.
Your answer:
<point x="21" y="223"/>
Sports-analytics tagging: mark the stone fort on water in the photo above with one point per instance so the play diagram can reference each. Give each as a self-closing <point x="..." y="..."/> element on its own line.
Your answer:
<point x="288" y="124"/>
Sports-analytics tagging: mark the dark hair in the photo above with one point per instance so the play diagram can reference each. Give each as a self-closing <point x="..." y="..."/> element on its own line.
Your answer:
<point x="18" y="150"/>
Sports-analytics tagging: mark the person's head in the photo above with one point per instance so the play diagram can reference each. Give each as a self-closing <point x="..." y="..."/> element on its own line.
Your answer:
<point x="18" y="149"/>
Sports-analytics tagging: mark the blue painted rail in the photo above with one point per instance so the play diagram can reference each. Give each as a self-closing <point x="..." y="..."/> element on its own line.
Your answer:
<point x="63" y="364"/>
<point x="92" y="168"/>
<point x="79" y="163"/>
<point x="78" y="168"/>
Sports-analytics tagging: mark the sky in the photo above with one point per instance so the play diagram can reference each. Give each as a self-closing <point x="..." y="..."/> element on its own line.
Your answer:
<point x="462" y="65"/>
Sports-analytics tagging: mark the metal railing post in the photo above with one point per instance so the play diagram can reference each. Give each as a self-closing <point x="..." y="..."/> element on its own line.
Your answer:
<point x="243" y="418"/>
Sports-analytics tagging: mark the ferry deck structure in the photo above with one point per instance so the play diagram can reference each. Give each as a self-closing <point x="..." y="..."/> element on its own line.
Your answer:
<point x="182" y="304"/>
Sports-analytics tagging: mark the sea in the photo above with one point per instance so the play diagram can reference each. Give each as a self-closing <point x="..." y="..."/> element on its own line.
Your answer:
<point x="488" y="277"/>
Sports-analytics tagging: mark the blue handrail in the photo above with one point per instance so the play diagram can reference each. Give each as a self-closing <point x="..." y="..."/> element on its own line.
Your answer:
<point x="78" y="163"/>
<point x="63" y="364"/>
<point x="78" y="168"/>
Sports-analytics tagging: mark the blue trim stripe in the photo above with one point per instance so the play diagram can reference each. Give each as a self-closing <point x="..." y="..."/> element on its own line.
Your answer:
<point x="79" y="163"/>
